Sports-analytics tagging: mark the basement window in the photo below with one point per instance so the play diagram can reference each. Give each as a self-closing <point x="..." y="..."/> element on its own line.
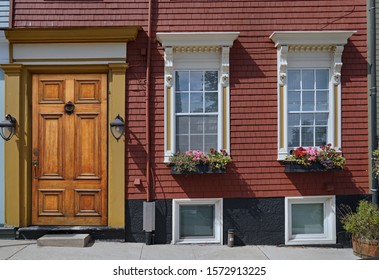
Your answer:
<point x="197" y="221"/>
<point x="310" y="220"/>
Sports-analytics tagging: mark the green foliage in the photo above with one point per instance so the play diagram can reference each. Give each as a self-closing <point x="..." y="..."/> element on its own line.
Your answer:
<point x="218" y="160"/>
<point x="189" y="161"/>
<point x="364" y="223"/>
<point x="183" y="163"/>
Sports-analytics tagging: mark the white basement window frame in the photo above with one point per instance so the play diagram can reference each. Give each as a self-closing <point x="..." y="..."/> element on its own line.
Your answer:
<point x="196" y="51"/>
<point x="297" y="233"/>
<point x="312" y="50"/>
<point x="217" y="226"/>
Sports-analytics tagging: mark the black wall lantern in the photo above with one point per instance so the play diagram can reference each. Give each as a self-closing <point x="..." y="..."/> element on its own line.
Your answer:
<point x="7" y="127"/>
<point x="117" y="127"/>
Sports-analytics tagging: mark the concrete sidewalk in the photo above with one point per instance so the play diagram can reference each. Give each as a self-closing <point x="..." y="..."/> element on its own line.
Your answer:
<point x="113" y="250"/>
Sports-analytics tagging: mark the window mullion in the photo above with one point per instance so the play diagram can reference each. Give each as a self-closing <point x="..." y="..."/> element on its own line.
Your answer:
<point x="197" y="121"/>
<point x="314" y="106"/>
<point x="203" y="94"/>
<point x="301" y="108"/>
<point x="189" y="133"/>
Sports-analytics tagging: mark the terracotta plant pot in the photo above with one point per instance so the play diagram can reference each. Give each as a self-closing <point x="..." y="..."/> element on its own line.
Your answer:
<point x="365" y="248"/>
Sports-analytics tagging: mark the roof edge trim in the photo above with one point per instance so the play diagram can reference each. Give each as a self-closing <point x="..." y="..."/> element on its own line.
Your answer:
<point x="333" y="37"/>
<point x="72" y="34"/>
<point x="187" y="39"/>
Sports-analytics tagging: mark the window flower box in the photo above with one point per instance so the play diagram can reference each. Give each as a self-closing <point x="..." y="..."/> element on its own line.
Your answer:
<point x="197" y="162"/>
<point x="311" y="159"/>
<point x="292" y="166"/>
<point x="200" y="169"/>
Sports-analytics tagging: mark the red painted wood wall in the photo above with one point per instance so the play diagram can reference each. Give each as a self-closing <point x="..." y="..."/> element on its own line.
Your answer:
<point x="253" y="92"/>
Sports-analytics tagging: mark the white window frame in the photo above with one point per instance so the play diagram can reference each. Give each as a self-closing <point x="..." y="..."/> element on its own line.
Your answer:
<point x="313" y="49"/>
<point x="329" y="235"/>
<point x="218" y="220"/>
<point x="196" y="51"/>
<point x="189" y="114"/>
<point x="321" y="63"/>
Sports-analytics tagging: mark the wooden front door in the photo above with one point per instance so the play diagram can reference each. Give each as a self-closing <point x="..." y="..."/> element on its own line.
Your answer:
<point x="69" y="153"/>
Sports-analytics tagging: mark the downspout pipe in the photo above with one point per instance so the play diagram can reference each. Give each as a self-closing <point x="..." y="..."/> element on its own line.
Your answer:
<point x="149" y="207"/>
<point x="373" y="89"/>
<point x="147" y="104"/>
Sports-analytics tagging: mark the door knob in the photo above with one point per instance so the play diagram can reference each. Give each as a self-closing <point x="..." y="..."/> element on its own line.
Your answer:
<point x="35" y="167"/>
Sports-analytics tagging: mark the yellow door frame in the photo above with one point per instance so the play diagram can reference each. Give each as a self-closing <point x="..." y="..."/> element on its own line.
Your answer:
<point x="18" y="89"/>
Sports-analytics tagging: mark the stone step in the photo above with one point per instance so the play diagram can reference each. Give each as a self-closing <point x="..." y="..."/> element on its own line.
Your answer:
<point x="64" y="240"/>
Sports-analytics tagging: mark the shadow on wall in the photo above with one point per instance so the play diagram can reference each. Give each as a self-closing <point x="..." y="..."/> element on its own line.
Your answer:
<point x="227" y="184"/>
<point x="136" y="156"/>
<point x="339" y="182"/>
<point x="242" y="64"/>
<point x="354" y="67"/>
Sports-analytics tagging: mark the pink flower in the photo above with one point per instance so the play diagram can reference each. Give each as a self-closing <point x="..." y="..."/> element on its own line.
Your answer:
<point x="312" y="152"/>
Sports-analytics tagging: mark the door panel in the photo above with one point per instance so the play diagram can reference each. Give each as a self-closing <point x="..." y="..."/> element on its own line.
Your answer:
<point x="51" y="91"/>
<point x="88" y="202"/>
<point x="51" y="138"/>
<point x="51" y="202"/>
<point x="69" y="150"/>
<point x="87" y="150"/>
<point x="88" y="91"/>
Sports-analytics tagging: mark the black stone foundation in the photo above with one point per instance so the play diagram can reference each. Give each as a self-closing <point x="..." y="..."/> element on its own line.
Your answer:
<point x="256" y="221"/>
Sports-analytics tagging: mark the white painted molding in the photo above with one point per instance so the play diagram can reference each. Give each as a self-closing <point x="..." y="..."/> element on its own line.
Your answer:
<point x="53" y="53"/>
<point x="218" y="220"/>
<point x="310" y="48"/>
<point x="188" y="39"/>
<point x="329" y="236"/>
<point x="292" y="44"/>
<point x="3" y="39"/>
<point x="4" y="48"/>
<point x="197" y="49"/>
<point x="207" y="49"/>
<point x="283" y="64"/>
<point x="337" y="65"/>
<point x="169" y="67"/>
<point x="334" y="37"/>
<point x="225" y="66"/>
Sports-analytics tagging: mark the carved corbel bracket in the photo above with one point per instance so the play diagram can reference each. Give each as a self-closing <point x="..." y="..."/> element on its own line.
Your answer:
<point x="337" y="65"/>
<point x="283" y="54"/>
<point x="169" y="66"/>
<point x="225" y="67"/>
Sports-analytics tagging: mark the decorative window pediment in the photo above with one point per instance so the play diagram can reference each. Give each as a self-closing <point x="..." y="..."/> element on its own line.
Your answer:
<point x="196" y="70"/>
<point x="312" y="60"/>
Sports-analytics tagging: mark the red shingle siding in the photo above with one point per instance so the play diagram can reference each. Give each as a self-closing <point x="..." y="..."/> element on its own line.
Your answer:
<point x="253" y="93"/>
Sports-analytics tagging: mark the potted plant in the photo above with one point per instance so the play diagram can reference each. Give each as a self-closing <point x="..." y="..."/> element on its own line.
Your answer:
<point x="363" y="224"/>
<point x="198" y="162"/>
<point x="314" y="159"/>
